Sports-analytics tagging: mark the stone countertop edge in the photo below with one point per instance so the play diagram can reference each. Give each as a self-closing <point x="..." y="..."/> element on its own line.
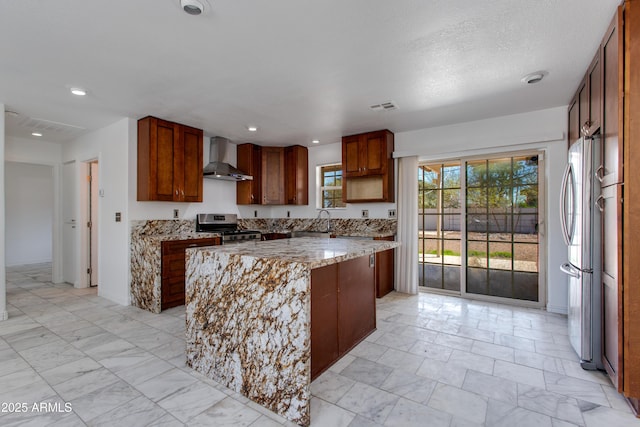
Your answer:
<point x="181" y="236"/>
<point x="310" y="251"/>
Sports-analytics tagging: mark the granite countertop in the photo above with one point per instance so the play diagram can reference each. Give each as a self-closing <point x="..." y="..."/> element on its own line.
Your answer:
<point x="314" y="252"/>
<point x="181" y="236"/>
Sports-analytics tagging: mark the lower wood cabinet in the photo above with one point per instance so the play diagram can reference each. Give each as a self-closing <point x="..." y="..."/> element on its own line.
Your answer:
<point x="385" y="269"/>
<point x="173" y="269"/>
<point x="343" y="310"/>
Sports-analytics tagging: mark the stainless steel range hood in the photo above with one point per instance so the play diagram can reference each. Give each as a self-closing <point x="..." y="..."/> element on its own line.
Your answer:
<point x="219" y="167"/>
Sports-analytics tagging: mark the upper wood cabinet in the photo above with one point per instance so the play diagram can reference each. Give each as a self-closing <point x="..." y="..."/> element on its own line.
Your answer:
<point x="296" y="165"/>
<point x="169" y="161"/>
<point x="367" y="167"/>
<point x="612" y="110"/>
<point x="249" y="161"/>
<point x="273" y="176"/>
<point x="280" y="175"/>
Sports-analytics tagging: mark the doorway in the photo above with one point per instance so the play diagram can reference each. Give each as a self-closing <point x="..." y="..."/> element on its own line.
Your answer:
<point x="92" y="223"/>
<point x="478" y="225"/>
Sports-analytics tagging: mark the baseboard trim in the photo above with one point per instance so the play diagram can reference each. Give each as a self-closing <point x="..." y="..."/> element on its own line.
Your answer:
<point x="558" y="309"/>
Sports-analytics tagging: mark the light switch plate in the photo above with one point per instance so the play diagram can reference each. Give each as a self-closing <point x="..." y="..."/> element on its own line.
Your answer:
<point x="365" y="213"/>
<point x="176" y="213"/>
<point x="392" y="213"/>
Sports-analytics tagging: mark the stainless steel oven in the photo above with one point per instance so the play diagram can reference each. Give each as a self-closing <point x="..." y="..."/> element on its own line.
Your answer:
<point x="227" y="226"/>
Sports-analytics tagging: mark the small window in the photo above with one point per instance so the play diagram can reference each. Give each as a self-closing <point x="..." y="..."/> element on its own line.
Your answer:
<point x="331" y="187"/>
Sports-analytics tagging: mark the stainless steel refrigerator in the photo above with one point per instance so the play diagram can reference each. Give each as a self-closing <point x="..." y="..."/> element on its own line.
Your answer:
<point x="581" y="229"/>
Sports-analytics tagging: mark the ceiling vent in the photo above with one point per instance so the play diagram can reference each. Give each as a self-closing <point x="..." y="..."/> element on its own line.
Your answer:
<point x="384" y="106"/>
<point x="48" y="126"/>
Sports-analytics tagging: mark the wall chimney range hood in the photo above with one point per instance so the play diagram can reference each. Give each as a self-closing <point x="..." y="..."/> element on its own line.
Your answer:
<point x="219" y="167"/>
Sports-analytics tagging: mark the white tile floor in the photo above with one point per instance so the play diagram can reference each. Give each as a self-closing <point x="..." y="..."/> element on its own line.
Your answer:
<point x="434" y="361"/>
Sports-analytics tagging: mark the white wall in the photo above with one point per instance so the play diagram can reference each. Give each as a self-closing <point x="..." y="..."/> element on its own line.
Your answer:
<point x="544" y="129"/>
<point x="29" y="202"/>
<point x="110" y="146"/>
<point x="3" y="279"/>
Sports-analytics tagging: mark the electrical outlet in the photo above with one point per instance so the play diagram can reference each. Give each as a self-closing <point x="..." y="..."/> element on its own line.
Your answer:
<point x="118" y="216"/>
<point x="176" y="213"/>
<point x="392" y="213"/>
<point x="365" y="213"/>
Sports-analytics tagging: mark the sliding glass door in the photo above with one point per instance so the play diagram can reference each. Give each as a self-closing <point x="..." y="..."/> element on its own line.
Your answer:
<point x="478" y="224"/>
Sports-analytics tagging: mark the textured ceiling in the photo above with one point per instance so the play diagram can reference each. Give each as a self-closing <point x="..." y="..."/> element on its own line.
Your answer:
<point x="297" y="69"/>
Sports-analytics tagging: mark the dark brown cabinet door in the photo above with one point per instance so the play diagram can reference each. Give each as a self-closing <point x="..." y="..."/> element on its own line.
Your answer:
<point x="594" y="81"/>
<point x="612" y="113"/>
<point x="385" y="270"/>
<point x="249" y="161"/>
<point x="574" y="121"/>
<point x="356" y="302"/>
<point x="273" y="176"/>
<point x="296" y="164"/>
<point x="191" y="190"/>
<point x="169" y="161"/>
<point x="583" y="106"/>
<point x="374" y="153"/>
<point x="351" y="156"/>
<point x="324" y="318"/>
<point x="611" y="274"/>
<point x="173" y="269"/>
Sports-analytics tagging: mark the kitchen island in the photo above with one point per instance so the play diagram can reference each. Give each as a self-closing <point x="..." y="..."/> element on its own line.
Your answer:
<point x="249" y="313"/>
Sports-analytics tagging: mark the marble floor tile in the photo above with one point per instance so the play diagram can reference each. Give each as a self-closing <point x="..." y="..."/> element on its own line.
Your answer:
<point x="191" y="400"/>
<point x="167" y="383"/>
<point x="461" y="403"/>
<point x="62" y="373"/>
<point x="574" y="387"/>
<point x="453" y="341"/>
<point x="492" y="350"/>
<point x="431" y="351"/>
<point x="410" y="386"/>
<point x="603" y="416"/>
<point x="85" y="384"/>
<point x="555" y="405"/>
<point x="491" y="387"/>
<point x="407" y="413"/>
<point x="401" y="360"/>
<point x="519" y="373"/>
<point x="369" y="402"/>
<point x="539" y="361"/>
<point x="227" y="412"/>
<point x="92" y="405"/>
<point x="467" y="360"/>
<point x="330" y="386"/>
<point x="327" y="414"/>
<point x="367" y="372"/>
<point x="50" y="355"/>
<point x="443" y="372"/>
<point x="500" y="414"/>
<point x="130" y="371"/>
<point x="369" y="350"/>
<point x="139" y="411"/>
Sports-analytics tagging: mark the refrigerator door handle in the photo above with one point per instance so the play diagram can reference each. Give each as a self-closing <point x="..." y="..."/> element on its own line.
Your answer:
<point x="600" y="173"/>
<point x="568" y="269"/>
<point x="566" y="235"/>
<point x="600" y="203"/>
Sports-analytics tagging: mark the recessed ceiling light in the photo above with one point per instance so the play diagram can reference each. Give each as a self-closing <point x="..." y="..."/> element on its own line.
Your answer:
<point x="533" y="77"/>
<point x="192" y="7"/>
<point x="252" y="128"/>
<point x="36" y="134"/>
<point x="78" y="91"/>
<point x="316" y="141"/>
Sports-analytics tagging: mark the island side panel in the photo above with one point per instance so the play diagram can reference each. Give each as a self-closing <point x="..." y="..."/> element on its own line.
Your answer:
<point x="145" y="274"/>
<point x="248" y="328"/>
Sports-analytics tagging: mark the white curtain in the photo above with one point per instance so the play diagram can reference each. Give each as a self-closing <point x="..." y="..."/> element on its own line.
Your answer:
<point x="407" y="253"/>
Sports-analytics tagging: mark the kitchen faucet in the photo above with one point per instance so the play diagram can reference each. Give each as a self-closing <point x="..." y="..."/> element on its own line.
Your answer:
<point x="328" y="218"/>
